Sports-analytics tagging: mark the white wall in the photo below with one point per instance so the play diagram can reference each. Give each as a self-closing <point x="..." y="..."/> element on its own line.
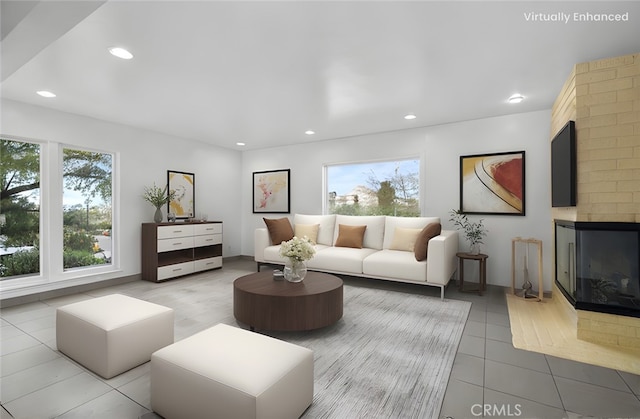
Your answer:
<point x="440" y="148"/>
<point x="144" y="158"/>
<point x="224" y="177"/>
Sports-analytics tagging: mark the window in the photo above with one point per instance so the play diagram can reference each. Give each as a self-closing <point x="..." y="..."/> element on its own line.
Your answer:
<point x="19" y="208"/>
<point x="374" y="188"/>
<point x="87" y="213"/>
<point x="77" y="231"/>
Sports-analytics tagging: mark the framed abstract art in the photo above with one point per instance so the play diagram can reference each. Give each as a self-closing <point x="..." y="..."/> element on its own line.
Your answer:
<point x="493" y="183"/>
<point x="271" y="192"/>
<point x="184" y="203"/>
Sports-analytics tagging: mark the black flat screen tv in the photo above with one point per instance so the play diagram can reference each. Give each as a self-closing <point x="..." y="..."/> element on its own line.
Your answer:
<point x="563" y="167"/>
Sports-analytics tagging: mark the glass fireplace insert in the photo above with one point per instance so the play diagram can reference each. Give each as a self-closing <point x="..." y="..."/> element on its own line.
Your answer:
<point x="598" y="265"/>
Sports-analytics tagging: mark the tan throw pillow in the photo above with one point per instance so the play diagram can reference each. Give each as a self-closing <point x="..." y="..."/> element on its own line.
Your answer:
<point x="404" y="239"/>
<point x="279" y="229"/>
<point x="422" y="242"/>
<point x="309" y="231"/>
<point x="350" y="236"/>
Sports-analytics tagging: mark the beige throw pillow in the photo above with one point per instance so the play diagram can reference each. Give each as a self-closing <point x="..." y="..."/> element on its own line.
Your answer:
<point x="310" y="231"/>
<point x="350" y="236"/>
<point x="279" y="230"/>
<point x="404" y="239"/>
<point x="422" y="242"/>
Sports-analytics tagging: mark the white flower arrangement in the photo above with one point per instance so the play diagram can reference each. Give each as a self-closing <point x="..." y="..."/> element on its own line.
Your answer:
<point x="297" y="249"/>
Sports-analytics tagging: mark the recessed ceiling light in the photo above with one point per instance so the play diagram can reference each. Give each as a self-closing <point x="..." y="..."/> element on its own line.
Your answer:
<point x="240" y="144"/>
<point x="410" y="116"/>
<point x="46" y="93"/>
<point x="309" y="132"/>
<point x="517" y="98"/>
<point x="121" y="53"/>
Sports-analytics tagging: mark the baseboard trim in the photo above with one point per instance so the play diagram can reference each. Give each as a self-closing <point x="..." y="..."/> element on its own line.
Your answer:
<point x="60" y="292"/>
<point x="74" y="289"/>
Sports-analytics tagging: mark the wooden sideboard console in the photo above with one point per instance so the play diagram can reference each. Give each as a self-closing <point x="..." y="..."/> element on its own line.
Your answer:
<point x="170" y="250"/>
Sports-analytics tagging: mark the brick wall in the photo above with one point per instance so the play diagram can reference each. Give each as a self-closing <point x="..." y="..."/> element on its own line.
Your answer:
<point x="603" y="97"/>
<point x="609" y="329"/>
<point x="608" y="126"/>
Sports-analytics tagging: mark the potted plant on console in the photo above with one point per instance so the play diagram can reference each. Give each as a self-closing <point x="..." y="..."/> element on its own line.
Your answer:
<point x="158" y="197"/>
<point x="473" y="232"/>
<point x="296" y="251"/>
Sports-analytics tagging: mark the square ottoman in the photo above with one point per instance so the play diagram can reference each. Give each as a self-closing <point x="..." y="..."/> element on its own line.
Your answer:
<point x="112" y="334"/>
<point x="231" y="373"/>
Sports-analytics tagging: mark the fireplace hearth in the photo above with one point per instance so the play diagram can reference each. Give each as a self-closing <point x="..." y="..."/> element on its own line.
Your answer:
<point x="598" y="265"/>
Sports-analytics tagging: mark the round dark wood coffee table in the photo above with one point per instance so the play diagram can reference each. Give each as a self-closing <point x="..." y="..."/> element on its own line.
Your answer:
<point x="265" y="304"/>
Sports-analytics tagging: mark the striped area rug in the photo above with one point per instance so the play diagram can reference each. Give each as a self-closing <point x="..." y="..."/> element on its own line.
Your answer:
<point x="390" y="355"/>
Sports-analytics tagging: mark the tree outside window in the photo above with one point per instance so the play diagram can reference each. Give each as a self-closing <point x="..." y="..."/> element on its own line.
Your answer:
<point x="86" y="212"/>
<point x="374" y="188"/>
<point x="19" y="208"/>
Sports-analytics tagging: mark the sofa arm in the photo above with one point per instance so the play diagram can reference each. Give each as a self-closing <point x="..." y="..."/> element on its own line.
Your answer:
<point x="261" y="241"/>
<point x="441" y="257"/>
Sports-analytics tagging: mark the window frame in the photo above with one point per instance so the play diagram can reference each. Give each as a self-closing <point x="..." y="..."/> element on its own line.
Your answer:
<point x="29" y="280"/>
<point x="64" y="147"/>
<point x="51" y="221"/>
<point x="421" y="170"/>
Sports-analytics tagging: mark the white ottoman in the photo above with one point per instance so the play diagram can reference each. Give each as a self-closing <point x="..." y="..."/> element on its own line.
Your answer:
<point x="227" y="372"/>
<point x="112" y="334"/>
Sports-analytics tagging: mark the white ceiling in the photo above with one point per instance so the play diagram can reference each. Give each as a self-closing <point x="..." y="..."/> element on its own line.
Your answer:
<point x="264" y="72"/>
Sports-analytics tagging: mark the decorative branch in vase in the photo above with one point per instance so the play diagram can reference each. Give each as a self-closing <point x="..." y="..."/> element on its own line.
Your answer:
<point x="158" y="197"/>
<point x="473" y="232"/>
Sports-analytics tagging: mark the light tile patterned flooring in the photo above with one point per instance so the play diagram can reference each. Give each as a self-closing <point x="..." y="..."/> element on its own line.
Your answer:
<point x="490" y="378"/>
<point x="493" y="378"/>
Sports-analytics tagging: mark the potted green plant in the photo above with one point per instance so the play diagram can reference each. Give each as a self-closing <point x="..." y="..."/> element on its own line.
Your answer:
<point x="473" y="231"/>
<point x="158" y="197"/>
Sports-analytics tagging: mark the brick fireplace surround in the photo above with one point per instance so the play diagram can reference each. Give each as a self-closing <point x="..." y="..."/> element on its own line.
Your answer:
<point x="603" y="98"/>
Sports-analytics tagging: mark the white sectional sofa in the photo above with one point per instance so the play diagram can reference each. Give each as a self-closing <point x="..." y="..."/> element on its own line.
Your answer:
<point x="377" y="258"/>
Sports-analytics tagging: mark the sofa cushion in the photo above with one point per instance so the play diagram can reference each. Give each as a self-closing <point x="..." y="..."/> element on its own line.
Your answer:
<point x="279" y="229"/>
<point x="325" y="229"/>
<point x="404" y="238"/>
<point x="395" y="264"/>
<point x="390" y="224"/>
<point x="272" y="254"/>
<point x="309" y="231"/>
<point x="374" y="232"/>
<point x="340" y="259"/>
<point x="422" y="242"/>
<point x="350" y="236"/>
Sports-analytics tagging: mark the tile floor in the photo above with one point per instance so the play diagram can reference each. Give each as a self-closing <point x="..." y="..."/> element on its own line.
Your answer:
<point x="489" y="378"/>
<point x="492" y="378"/>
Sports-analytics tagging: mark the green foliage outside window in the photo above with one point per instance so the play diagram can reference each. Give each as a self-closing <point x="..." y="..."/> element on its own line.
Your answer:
<point x="23" y="262"/>
<point x="85" y="174"/>
<point x="78" y="259"/>
<point x="374" y="188"/>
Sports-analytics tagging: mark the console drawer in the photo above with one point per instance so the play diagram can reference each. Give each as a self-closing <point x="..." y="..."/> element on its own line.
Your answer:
<point x="178" y="243"/>
<point x="170" y="232"/>
<point x="208" y="240"/>
<point x="206" y="229"/>
<point x="209" y="263"/>
<point x="170" y="271"/>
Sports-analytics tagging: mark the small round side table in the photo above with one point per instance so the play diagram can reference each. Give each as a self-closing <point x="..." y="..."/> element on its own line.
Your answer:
<point x="482" y="259"/>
